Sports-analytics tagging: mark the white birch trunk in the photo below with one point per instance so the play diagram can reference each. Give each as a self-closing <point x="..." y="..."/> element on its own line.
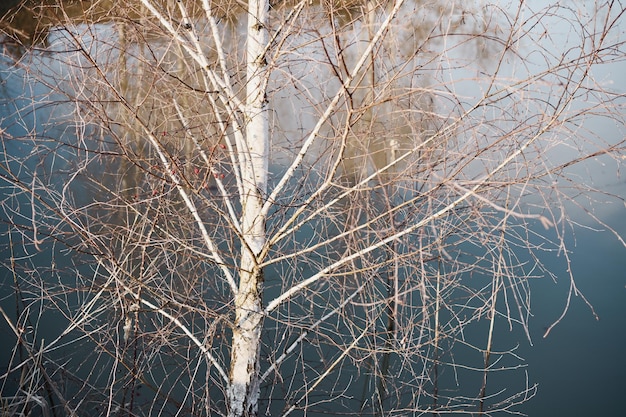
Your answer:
<point x="243" y="390"/>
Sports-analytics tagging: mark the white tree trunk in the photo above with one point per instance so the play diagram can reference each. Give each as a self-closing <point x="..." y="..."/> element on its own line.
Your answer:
<point x="243" y="390"/>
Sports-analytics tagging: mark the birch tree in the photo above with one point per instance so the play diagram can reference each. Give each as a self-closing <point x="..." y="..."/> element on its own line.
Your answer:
<point x="291" y="208"/>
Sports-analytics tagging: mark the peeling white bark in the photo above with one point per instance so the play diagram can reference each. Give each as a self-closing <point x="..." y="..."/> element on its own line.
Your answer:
<point x="243" y="389"/>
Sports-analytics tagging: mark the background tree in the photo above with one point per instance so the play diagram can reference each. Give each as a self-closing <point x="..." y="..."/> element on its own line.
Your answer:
<point x="237" y="208"/>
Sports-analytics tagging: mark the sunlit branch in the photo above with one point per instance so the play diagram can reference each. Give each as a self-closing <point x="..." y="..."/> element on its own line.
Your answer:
<point x="220" y="184"/>
<point x="230" y="101"/>
<point x="287" y="228"/>
<point x="192" y="210"/>
<point x="298" y="287"/>
<point x="289" y="349"/>
<point x="170" y="172"/>
<point x="210" y="358"/>
<point x="328" y="371"/>
<point x="545" y="222"/>
<point x="330" y="108"/>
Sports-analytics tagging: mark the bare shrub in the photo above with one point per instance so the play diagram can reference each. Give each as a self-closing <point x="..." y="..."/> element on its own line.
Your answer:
<point x="238" y="208"/>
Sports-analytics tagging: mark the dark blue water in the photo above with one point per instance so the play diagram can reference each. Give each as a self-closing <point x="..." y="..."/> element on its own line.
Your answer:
<point x="581" y="365"/>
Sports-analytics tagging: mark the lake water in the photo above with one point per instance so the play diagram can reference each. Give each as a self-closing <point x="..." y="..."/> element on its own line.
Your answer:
<point x="580" y="366"/>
